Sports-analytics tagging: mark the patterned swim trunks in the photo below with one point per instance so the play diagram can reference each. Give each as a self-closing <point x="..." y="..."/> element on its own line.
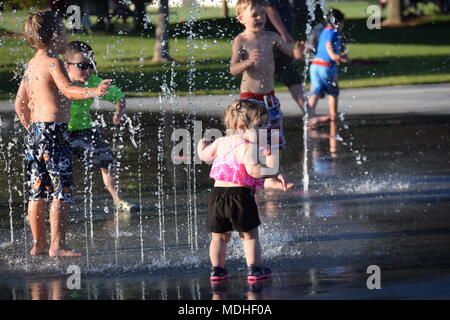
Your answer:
<point x="275" y="114"/>
<point x="89" y="146"/>
<point x="49" y="168"/>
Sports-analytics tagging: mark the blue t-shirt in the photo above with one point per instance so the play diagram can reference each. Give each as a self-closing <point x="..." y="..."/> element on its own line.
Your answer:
<point x="285" y="10"/>
<point x="333" y="36"/>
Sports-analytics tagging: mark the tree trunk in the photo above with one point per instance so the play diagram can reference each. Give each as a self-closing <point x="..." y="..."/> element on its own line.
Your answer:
<point x="395" y="13"/>
<point x="161" y="50"/>
<point x="300" y="18"/>
<point x="224" y="9"/>
<point x="139" y="14"/>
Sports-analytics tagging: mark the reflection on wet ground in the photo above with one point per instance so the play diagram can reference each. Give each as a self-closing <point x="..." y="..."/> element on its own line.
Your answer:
<point x="379" y="194"/>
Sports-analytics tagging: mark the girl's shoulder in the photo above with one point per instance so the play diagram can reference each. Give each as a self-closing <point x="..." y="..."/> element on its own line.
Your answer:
<point x="232" y="142"/>
<point x="220" y="140"/>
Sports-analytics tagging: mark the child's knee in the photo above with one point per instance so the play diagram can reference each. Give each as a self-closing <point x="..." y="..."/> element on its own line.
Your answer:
<point x="250" y="235"/>
<point x="60" y="204"/>
<point x="225" y="237"/>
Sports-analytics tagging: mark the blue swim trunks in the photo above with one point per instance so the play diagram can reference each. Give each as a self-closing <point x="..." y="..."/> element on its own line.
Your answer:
<point x="90" y="146"/>
<point x="323" y="80"/>
<point x="275" y="115"/>
<point x="49" y="156"/>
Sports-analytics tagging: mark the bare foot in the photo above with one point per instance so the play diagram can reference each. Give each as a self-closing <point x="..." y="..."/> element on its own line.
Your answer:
<point x="314" y="121"/>
<point x="63" y="253"/>
<point x="276" y="184"/>
<point x="38" y="250"/>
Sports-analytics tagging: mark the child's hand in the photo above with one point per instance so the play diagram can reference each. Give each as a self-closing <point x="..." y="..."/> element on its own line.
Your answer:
<point x="344" y="59"/>
<point x="203" y="143"/>
<point x="254" y="57"/>
<point x="103" y="87"/>
<point x="265" y="151"/>
<point x="299" y="47"/>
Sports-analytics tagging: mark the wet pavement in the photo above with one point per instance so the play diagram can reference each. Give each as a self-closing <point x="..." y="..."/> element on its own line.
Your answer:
<point x="378" y="194"/>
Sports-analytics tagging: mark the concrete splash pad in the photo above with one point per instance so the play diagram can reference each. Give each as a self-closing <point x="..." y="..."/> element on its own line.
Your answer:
<point x="382" y="198"/>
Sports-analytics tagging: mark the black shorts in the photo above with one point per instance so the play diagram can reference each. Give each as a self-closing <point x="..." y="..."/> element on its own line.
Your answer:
<point x="49" y="169"/>
<point x="90" y="146"/>
<point x="286" y="68"/>
<point x="232" y="208"/>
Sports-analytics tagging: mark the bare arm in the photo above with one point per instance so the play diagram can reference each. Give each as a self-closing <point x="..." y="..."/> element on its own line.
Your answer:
<point x="206" y="150"/>
<point x="331" y="53"/>
<point x="334" y="56"/>
<point x="237" y="65"/>
<point x="296" y="52"/>
<point x="21" y="105"/>
<point x="254" y="168"/>
<point x="275" y="19"/>
<point x="286" y="48"/>
<point x="74" y="92"/>
<point x="119" y="112"/>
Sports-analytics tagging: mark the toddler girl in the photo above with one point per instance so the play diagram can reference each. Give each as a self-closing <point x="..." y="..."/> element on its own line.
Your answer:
<point x="237" y="176"/>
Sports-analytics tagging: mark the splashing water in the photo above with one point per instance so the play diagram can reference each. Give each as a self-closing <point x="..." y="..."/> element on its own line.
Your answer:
<point x="311" y="17"/>
<point x="160" y="165"/>
<point x="191" y="170"/>
<point x="139" y="147"/>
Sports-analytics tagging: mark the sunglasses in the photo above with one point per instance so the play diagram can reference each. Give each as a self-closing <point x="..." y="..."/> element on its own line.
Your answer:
<point x="83" y="65"/>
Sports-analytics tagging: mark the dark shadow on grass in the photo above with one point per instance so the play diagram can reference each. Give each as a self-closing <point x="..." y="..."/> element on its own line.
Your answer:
<point x="222" y="28"/>
<point x="209" y="28"/>
<point x="431" y="33"/>
<point x="427" y="33"/>
<point x="418" y="65"/>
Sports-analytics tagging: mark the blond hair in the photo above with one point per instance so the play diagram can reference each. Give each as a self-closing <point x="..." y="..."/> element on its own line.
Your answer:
<point x="248" y="111"/>
<point x="241" y="5"/>
<point x="40" y="28"/>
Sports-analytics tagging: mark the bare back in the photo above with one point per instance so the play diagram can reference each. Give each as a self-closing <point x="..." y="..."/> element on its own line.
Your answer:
<point x="258" y="78"/>
<point x="230" y="147"/>
<point x="46" y="102"/>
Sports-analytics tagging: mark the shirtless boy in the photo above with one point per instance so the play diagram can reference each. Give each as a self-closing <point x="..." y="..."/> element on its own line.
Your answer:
<point x="43" y="107"/>
<point x="252" y="57"/>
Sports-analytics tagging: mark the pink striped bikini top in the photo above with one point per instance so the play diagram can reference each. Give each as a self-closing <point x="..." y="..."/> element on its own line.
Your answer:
<point x="232" y="170"/>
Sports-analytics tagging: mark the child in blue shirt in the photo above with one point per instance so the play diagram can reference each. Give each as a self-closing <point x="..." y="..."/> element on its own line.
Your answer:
<point x="323" y="70"/>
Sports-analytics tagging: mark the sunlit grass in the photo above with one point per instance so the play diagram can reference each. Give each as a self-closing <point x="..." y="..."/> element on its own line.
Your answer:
<point x="418" y="54"/>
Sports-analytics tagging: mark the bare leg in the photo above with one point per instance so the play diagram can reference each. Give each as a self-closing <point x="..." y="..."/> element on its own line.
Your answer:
<point x="312" y="102"/>
<point x="272" y="183"/>
<point x="38" y="291"/>
<point x="333" y="106"/>
<point x="57" y="289"/>
<point x="297" y="94"/>
<point x="311" y="108"/>
<point x="36" y="216"/>
<point x="252" y="247"/>
<point x="108" y="180"/>
<point x="273" y="161"/>
<point x="218" y="248"/>
<point x="58" y="226"/>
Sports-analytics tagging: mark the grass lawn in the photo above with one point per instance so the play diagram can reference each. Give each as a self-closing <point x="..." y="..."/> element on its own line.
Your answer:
<point x="390" y="56"/>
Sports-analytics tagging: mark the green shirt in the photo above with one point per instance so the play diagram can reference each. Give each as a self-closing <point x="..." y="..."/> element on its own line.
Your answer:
<point x="80" y="116"/>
